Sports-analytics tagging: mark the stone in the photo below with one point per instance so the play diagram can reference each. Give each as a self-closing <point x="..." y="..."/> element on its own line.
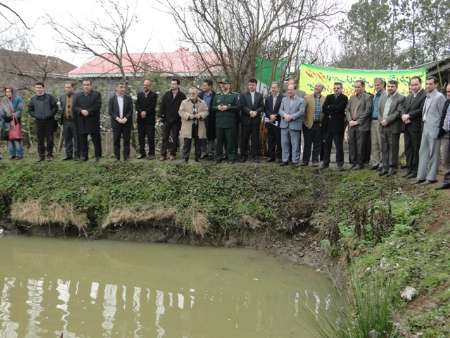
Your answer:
<point x="408" y="293"/>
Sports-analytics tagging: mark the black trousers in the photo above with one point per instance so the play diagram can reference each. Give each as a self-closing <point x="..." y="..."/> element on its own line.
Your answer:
<point x="412" y="146"/>
<point x="71" y="139"/>
<point x="146" y="136"/>
<point x="357" y="143"/>
<point x="170" y="134"/>
<point x="338" y="139"/>
<point x="84" y="146"/>
<point x="313" y="139"/>
<point x="273" y="141"/>
<point x="122" y="132"/>
<point x="197" y="143"/>
<point x="44" y="131"/>
<point x="250" y="132"/>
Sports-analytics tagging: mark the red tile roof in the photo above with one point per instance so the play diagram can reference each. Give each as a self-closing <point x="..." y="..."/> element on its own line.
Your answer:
<point x="180" y="62"/>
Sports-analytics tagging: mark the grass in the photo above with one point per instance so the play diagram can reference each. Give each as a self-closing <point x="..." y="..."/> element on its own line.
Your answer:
<point x="372" y="314"/>
<point x="206" y="199"/>
<point x="384" y="233"/>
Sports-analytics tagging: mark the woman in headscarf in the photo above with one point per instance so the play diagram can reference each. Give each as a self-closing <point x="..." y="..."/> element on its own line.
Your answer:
<point x="11" y="107"/>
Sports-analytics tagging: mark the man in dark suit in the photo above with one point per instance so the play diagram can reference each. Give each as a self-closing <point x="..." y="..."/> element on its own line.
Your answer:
<point x="445" y="131"/>
<point x="207" y="95"/>
<point x="69" y="122"/>
<point x="146" y="116"/>
<point x="168" y="112"/>
<point x="272" y="121"/>
<point x="252" y="106"/>
<point x="333" y="124"/>
<point x="120" y="108"/>
<point x="87" y="106"/>
<point x="412" y="121"/>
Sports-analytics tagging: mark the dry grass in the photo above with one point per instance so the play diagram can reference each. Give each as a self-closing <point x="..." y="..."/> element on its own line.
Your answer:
<point x="250" y="222"/>
<point x="33" y="212"/>
<point x="192" y="220"/>
<point x="129" y="216"/>
<point x="200" y="223"/>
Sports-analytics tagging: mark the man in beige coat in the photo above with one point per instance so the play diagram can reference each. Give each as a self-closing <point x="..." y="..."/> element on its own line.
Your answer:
<point x="193" y="112"/>
<point x="312" y="126"/>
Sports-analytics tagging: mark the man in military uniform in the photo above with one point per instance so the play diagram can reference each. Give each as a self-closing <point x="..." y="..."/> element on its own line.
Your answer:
<point x="226" y="108"/>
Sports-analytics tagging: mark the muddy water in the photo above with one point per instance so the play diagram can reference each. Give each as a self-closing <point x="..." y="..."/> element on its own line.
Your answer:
<point x="114" y="289"/>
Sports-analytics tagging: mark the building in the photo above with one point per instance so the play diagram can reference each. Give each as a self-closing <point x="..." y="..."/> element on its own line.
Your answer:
<point x="21" y="70"/>
<point x="440" y="69"/>
<point x="181" y="63"/>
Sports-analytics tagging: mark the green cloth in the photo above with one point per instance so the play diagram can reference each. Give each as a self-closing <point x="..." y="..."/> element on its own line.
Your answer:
<point x="227" y="118"/>
<point x="268" y="71"/>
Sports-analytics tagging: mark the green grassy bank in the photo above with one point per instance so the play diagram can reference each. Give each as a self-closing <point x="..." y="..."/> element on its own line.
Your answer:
<point x="386" y="233"/>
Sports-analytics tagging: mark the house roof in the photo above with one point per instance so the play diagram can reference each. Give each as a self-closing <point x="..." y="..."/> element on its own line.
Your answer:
<point x="180" y="62"/>
<point x="33" y="65"/>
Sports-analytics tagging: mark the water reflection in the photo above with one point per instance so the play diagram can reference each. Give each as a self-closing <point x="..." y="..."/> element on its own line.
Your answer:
<point x="227" y="305"/>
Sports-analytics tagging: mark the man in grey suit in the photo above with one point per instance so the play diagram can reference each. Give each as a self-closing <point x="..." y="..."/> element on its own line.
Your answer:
<point x="391" y="110"/>
<point x="358" y="112"/>
<point x="430" y="143"/>
<point x="291" y="112"/>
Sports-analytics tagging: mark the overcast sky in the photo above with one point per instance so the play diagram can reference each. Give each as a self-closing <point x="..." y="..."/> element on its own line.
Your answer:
<point x="155" y="23"/>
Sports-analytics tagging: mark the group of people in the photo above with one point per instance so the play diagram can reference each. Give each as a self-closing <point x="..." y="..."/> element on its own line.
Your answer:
<point x="222" y="124"/>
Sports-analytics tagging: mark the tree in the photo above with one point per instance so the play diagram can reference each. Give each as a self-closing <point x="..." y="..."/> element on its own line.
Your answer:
<point x="365" y="35"/>
<point x="435" y="28"/>
<point x="231" y="34"/>
<point x="12" y="27"/>
<point x="105" y="37"/>
<point x="392" y="33"/>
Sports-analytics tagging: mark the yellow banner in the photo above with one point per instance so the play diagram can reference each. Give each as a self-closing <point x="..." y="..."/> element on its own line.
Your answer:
<point x="310" y="75"/>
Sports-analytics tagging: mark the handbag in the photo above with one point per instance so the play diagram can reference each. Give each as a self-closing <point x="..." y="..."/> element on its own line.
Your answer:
<point x="15" y="130"/>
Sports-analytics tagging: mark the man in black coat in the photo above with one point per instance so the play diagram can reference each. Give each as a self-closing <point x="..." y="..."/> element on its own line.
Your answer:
<point x="87" y="105"/>
<point x="207" y="95"/>
<point x="120" y="108"/>
<point x="272" y="121"/>
<point x="43" y="107"/>
<point x="252" y="106"/>
<point x="146" y="115"/>
<point x="168" y="112"/>
<point x="412" y="122"/>
<point x="334" y="123"/>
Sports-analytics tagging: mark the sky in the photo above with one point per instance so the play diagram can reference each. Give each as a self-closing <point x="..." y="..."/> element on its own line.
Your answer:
<point x="159" y="25"/>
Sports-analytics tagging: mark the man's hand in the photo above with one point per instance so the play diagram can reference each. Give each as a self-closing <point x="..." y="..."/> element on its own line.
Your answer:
<point x="252" y="114"/>
<point x="143" y="114"/>
<point x="405" y="117"/>
<point x="384" y="123"/>
<point x="273" y="118"/>
<point x="84" y="112"/>
<point x="288" y="117"/>
<point x="353" y="123"/>
<point x="124" y="120"/>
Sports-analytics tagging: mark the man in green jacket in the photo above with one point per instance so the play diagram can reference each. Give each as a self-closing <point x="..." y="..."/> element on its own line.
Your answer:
<point x="226" y="108"/>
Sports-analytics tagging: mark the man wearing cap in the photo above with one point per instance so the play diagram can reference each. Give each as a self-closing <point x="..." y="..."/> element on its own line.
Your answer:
<point x="226" y="108"/>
